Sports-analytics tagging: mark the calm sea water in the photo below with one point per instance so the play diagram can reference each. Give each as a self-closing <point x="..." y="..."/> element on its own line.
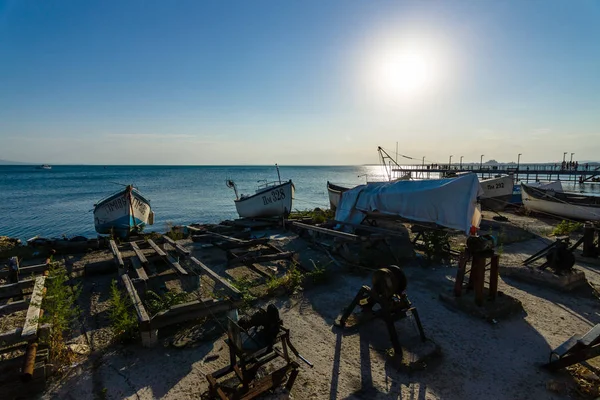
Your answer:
<point x="57" y="202"/>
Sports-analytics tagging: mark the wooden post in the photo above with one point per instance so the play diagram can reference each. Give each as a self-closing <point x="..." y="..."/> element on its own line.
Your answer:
<point x="29" y="362"/>
<point x="460" y="273"/>
<point x="494" y="273"/>
<point x="589" y="249"/>
<point x="116" y="255"/>
<point x="157" y="249"/>
<point x="478" y="277"/>
<point x="139" y="253"/>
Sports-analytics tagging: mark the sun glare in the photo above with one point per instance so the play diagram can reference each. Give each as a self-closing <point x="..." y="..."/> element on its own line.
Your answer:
<point x="404" y="71"/>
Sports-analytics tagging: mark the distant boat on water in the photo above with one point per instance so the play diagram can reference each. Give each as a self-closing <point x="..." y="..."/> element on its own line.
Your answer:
<point x="123" y="213"/>
<point x="45" y="166"/>
<point x="271" y="199"/>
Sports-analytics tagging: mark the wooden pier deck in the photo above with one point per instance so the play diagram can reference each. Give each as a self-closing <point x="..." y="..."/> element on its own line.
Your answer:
<point x="526" y="173"/>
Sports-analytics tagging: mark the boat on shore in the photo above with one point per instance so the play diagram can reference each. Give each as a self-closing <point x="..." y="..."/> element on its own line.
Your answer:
<point x="551" y="199"/>
<point x="497" y="192"/>
<point x="271" y="199"/>
<point x="123" y="213"/>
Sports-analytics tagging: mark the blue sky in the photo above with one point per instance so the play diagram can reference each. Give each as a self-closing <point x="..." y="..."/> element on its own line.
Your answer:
<point x="297" y="82"/>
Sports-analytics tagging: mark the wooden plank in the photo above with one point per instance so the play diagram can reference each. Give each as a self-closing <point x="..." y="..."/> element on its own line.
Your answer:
<point x="262" y="258"/>
<point x="139" y="269"/>
<point x="214" y="276"/>
<point x="10" y="337"/>
<point x="175" y="265"/>
<point x="193" y="310"/>
<point x="178" y="247"/>
<point x="143" y="318"/>
<point x="15" y="289"/>
<point x="388" y="232"/>
<point x="27" y="271"/>
<point x="116" y="254"/>
<point x="33" y="312"/>
<point x="14" y="306"/>
<point x="227" y="238"/>
<point x="330" y="232"/>
<point x="157" y="249"/>
<point x="592" y="337"/>
<point x="139" y="253"/>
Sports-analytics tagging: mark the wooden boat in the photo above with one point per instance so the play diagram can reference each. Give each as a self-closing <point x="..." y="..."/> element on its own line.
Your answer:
<point x="123" y="213"/>
<point x="552" y="200"/>
<point x="272" y="199"/>
<point x="335" y="194"/>
<point x="497" y="192"/>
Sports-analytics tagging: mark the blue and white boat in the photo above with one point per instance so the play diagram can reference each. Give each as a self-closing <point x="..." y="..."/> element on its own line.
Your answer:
<point x="123" y="213"/>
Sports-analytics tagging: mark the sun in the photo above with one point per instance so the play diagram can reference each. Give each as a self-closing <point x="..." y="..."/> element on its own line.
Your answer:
<point x="404" y="71"/>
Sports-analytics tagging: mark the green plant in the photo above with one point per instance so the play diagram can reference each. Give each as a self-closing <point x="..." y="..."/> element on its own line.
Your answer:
<point x="319" y="274"/>
<point x="60" y="311"/>
<point x="123" y="320"/>
<point x="566" y="228"/>
<point x="156" y="303"/>
<point x="290" y="281"/>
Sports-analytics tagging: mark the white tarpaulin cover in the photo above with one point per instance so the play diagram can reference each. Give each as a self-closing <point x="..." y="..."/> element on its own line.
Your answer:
<point x="451" y="203"/>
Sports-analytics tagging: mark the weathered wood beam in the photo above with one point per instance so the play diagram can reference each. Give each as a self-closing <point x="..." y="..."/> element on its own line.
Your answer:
<point x="32" y="319"/>
<point x="139" y="269"/>
<point x="330" y="232"/>
<point x="191" y="311"/>
<point x="157" y="249"/>
<point x="116" y="254"/>
<point x="139" y="253"/>
<point x="142" y="314"/>
<point x="15" y="289"/>
<point x="175" y="265"/>
<point x="388" y="232"/>
<point x="262" y="258"/>
<point x="14" y="306"/>
<point x="215" y="276"/>
<point x="27" y="271"/>
<point x="178" y="247"/>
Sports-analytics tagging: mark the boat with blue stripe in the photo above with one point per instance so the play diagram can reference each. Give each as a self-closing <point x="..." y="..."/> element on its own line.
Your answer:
<point x="123" y="213"/>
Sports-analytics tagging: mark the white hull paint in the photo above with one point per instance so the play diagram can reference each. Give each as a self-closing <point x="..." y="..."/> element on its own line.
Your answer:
<point x="561" y="209"/>
<point x="122" y="213"/>
<point x="497" y="192"/>
<point x="274" y="201"/>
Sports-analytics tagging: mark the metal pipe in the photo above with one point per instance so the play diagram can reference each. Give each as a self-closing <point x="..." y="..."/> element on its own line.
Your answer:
<point x="29" y="363"/>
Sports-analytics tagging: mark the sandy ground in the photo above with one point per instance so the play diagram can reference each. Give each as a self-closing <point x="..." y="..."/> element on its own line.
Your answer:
<point x="479" y="359"/>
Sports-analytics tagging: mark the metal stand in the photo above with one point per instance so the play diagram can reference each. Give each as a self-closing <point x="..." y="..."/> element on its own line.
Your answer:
<point x="246" y="358"/>
<point x="388" y="291"/>
<point x="575" y="350"/>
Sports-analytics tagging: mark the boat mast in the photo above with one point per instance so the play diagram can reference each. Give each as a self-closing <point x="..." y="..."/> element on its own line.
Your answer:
<point x="278" y="175"/>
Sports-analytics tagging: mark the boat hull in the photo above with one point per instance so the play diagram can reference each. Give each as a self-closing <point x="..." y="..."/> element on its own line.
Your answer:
<point x="275" y="201"/>
<point x="335" y="194"/>
<point x="497" y="192"/>
<point x="122" y="213"/>
<point x="562" y="204"/>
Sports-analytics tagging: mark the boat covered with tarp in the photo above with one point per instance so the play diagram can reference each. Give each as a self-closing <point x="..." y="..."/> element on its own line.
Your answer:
<point x="450" y="203"/>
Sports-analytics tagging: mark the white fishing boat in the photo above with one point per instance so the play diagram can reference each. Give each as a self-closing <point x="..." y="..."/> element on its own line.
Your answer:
<point x="497" y="192"/>
<point x="45" y="166"/>
<point x="123" y="213"/>
<point x="271" y="199"/>
<point x="451" y="203"/>
<point x="551" y="199"/>
<point x="335" y="194"/>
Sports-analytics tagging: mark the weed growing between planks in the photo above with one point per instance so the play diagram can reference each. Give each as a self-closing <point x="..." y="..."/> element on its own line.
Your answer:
<point x="60" y="311"/>
<point x="123" y="320"/>
<point x="156" y="303"/>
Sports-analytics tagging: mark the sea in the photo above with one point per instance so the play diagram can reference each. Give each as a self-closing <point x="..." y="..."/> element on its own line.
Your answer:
<point x="59" y="202"/>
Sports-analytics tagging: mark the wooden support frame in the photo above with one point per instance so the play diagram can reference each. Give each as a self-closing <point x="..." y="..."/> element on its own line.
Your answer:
<point x="14" y="306"/>
<point x="139" y="253"/>
<point x="192" y="310"/>
<point x="142" y="314"/>
<point x="175" y="265"/>
<point x="215" y="276"/>
<point x="262" y="258"/>
<point x="30" y="327"/>
<point x="15" y="289"/>
<point x="177" y="247"/>
<point x="342" y="235"/>
<point x="139" y="269"/>
<point x="157" y="249"/>
<point x="116" y="254"/>
<point x="26" y="271"/>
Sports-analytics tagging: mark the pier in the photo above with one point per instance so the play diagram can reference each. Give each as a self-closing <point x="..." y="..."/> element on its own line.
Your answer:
<point x="525" y="173"/>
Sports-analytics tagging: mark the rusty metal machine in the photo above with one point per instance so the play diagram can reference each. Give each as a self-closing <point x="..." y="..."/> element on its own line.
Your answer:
<point x="559" y="256"/>
<point x="387" y="300"/>
<point x="252" y="343"/>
